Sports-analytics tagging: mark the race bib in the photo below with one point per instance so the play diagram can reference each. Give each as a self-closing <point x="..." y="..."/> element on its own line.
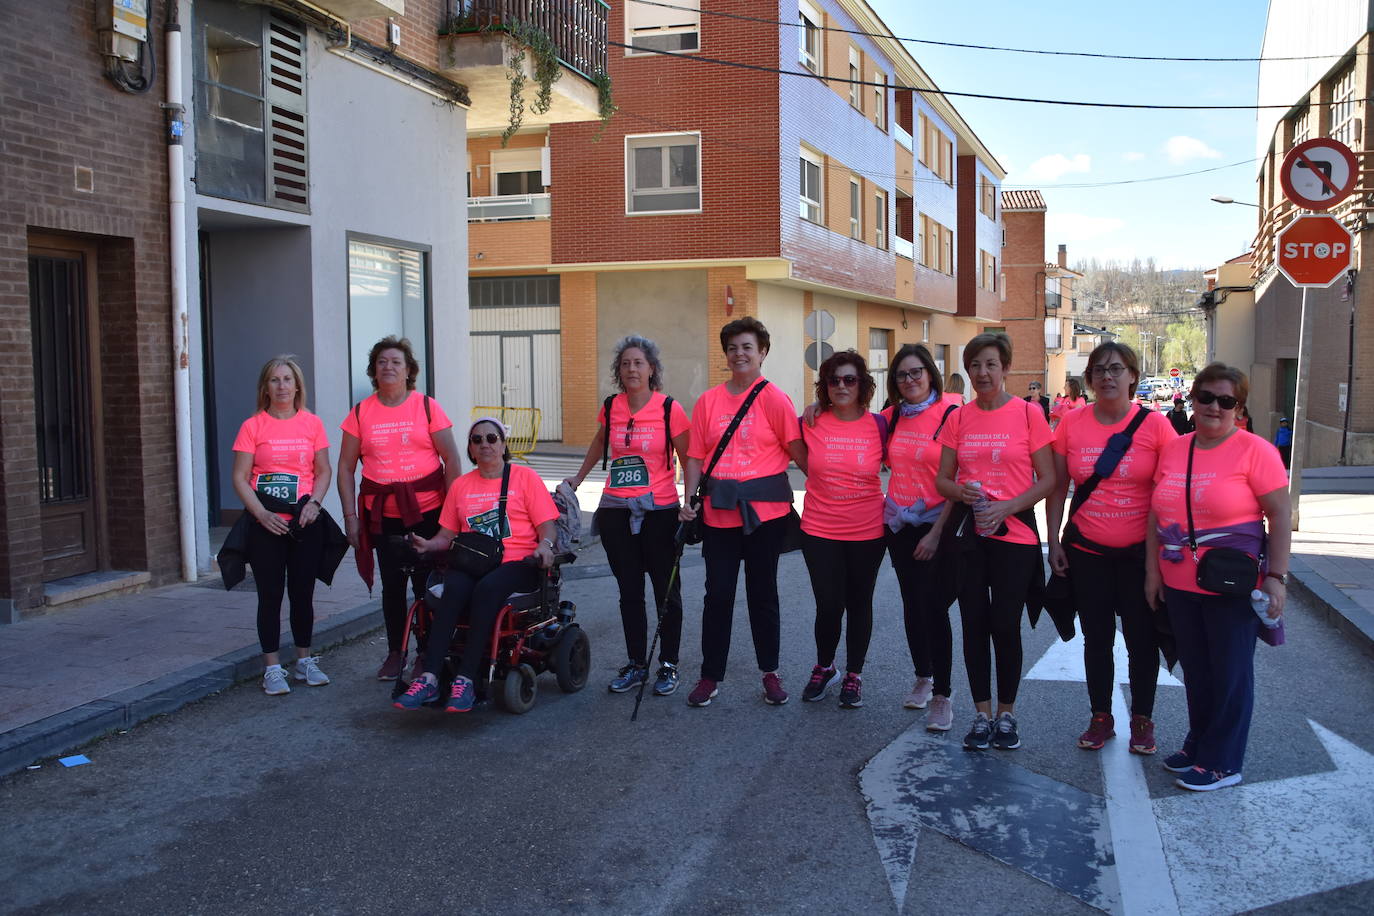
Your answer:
<point x="280" y="486"/>
<point x="486" y="523"/>
<point x="629" y="471"/>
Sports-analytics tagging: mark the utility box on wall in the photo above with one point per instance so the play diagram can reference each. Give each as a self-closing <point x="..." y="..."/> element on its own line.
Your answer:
<point x="123" y="27"/>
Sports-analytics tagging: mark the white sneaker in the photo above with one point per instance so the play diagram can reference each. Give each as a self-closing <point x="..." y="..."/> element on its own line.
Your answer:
<point x="308" y="670"/>
<point x="274" y="682"/>
<point x="920" y="694"/>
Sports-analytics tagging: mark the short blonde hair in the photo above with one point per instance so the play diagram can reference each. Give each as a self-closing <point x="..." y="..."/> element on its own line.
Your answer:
<point x="289" y="361"/>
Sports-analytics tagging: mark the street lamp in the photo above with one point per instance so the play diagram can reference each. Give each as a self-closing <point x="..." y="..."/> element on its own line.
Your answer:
<point x="1223" y="199"/>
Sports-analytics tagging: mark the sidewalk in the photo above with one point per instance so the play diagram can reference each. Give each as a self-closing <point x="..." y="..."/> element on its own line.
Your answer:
<point x="1333" y="553"/>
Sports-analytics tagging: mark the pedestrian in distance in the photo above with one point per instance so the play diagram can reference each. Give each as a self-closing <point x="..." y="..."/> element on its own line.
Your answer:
<point x="1283" y="441"/>
<point x="281" y="459"/>
<point x="842" y="521"/>
<point x="1102" y="550"/>
<point x="404" y="441"/>
<point x="996" y="461"/>
<point x="639" y="432"/>
<point x="954" y="390"/>
<point x="503" y="501"/>
<point x="1178" y="417"/>
<point x="748" y="501"/>
<point x="1036" y="396"/>
<point x="1071" y="401"/>
<point x="1223" y="579"/>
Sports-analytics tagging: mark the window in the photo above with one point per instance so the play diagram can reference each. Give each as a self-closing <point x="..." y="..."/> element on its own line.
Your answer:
<point x="856" y="216"/>
<point x="517" y="171"/>
<point x="663" y="174"/>
<point x="937" y="246"/>
<point x="388" y="293"/>
<point x="880" y="100"/>
<point x="663" y="28"/>
<point x="810" y="186"/>
<point x="809" y="20"/>
<point x="987" y="197"/>
<point x="987" y="278"/>
<point x="1053" y="298"/>
<point x="1301" y="125"/>
<point x="1343" y="107"/>
<point x="947" y="251"/>
<point x="855" y="76"/>
<point x="880" y="220"/>
<point x="937" y="150"/>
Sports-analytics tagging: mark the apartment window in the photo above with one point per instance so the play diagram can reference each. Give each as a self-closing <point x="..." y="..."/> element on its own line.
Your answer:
<point x="946" y="169"/>
<point x="1301" y="124"/>
<point x="880" y="220"/>
<point x="856" y="217"/>
<point x="1053" y="298"/>
<point x="809" y="20"/>
<point x="937" y="246"/>
<point x="880" y="100"/>
<point x="937" y="150"/>
<point x="988" y="274"/>
<point x="946" y="251"/>
<point x="663" y="27"/>
<point x="663" y="173"/>
<point x="517" y="172"/>
<point x="388" y="293"/>
<point x="250" y="105"/>
<point x="1343" y="107"/>
<point x="810" y="186"/>
<point x="855" y="76"/>
<point x="987" y="197"/>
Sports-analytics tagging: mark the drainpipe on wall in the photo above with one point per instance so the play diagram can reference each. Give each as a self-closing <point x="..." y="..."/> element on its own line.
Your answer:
<point x="181" y="329"/>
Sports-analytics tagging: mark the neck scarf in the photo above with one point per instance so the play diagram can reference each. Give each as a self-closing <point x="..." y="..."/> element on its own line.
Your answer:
<point x="912" y="410"/>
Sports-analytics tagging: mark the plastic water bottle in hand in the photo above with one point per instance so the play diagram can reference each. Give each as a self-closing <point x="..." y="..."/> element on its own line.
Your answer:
<point x="1259" y="602"/>
<point x="979" y="505"/>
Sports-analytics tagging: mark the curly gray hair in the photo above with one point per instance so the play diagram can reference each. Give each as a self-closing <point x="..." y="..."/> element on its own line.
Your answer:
<point x="650" y="351"/>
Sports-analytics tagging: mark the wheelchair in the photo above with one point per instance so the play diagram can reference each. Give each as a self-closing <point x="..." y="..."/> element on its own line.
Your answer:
<point x="535" y="632"/>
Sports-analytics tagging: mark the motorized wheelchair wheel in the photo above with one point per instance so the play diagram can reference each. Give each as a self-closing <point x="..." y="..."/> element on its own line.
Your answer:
<point x="521" y="688"/>
<point x="572" y="659"/>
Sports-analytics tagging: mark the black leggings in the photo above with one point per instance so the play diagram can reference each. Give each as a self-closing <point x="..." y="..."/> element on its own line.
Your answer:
<point x="1104" y="587"/>
<point x="843" y="574"/>
<point x="481" y="599"/>
<point x="926" y="595"/>
<point x="389" y="570"/>
<point x="996" y="576"/>
<point x="285" y="563"/>
<point x="631" y="556"/>
<point x="723" y="549"/>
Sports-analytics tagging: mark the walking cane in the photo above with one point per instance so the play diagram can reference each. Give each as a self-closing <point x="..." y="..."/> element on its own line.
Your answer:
<point x="679" y="542"/>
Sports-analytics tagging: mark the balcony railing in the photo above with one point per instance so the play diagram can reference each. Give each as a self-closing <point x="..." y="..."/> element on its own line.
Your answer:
<point x="903" y="137"/>
<point x="508" y="208"/>
<point x="576" y="27"/>
<point x="904" y="247"/>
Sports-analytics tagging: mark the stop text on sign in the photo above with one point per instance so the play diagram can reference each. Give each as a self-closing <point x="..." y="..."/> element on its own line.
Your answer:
<point x="1315" y="249"/>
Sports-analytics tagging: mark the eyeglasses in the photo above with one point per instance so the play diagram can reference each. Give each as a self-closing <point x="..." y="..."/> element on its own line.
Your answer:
<point x="843" y="381"/>
<point x="476" y="438"/>
<point x="909" y="375"/>
<point x="1224" y="401"/>
<point x="630" y="426"/>
<point x="1114" y="370"/>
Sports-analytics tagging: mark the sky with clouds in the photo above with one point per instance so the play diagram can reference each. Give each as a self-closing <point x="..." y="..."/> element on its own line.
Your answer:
<point x="1048" y="147"/>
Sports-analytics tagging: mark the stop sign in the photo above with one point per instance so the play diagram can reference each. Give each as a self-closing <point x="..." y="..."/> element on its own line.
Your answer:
<point x="1174" y="373"/>
<point x="1313" y="250"/>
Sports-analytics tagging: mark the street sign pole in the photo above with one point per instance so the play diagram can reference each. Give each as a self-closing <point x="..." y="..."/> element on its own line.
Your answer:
<point x="1298" y="451"/>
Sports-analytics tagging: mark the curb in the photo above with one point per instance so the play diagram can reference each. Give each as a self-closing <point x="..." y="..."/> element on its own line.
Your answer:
<point x="1338" y="610"/>
<point x="72" y="728"/>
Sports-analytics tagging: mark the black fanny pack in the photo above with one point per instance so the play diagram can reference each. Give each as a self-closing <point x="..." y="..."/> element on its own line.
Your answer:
<point x="1224" y="570"/>
<point x="476" y="553"/>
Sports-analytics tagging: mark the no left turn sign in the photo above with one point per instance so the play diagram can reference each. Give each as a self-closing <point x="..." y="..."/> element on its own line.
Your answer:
<point x="1318" y="174"/>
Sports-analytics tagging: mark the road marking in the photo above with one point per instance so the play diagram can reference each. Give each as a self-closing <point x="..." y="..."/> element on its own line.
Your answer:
<point x="1063" y="661"/>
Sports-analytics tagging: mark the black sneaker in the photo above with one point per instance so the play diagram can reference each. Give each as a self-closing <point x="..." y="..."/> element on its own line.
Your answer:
<point x="1178" y="762"/>
<point x="979" y="737"/>
<point x="1004" y="736"/>
<point x="630" y="677"/>
<point x="822" y="679"/>
<point x="851" y="691"/>
<point x="665" y="682"/>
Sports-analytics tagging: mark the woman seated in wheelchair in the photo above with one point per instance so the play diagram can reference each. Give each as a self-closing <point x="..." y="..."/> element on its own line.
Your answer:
<point x="524" y="528"/>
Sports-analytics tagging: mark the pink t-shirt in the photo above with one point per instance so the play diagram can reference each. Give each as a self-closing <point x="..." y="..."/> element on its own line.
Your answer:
<point x="283" y="453"/>
<point x="951" y="397"/>
<point x="844" y="498"/>
<point x="1063" y="406"/>
<point x="471" y="505"/>
<point x="994" y="447"/>
<point x="1116" y="513"/>
<point x="758" y="448"/>
<point x="645" y="464"/>
<point x="397" y="444"/>
<point x="914" y="456"/>
<point x="1227" y="483"/>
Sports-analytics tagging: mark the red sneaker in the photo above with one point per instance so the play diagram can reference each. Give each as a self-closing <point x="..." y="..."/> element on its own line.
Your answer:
<point x="1099" y="730"/>
<point x="1142" y="735"/>
<point x="773" y="694"/>
<point x="391" y="668"/>
<point x="703" y="693"/>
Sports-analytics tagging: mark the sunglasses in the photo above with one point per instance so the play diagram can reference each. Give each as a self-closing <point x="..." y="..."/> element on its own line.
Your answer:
<point x="628" y="428"/>
<point x="909" y="375"/>
<point x="491" y="438"/>
<point x="1225" y="401"/>
<point x="843" y="381"/>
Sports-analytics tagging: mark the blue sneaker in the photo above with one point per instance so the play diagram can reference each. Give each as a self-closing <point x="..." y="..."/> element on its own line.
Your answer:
<point x="460" y="698"/>
<point x="630" y="677"/>
<point x="422" y="691"/>
<point x="1200" y="780"/>
<point x="1179" y="762"/>
<point x="665" y="682"/>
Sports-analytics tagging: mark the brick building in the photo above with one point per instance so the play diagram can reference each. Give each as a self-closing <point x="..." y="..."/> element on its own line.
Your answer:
<point x="1038" y="305"/>
<point x="717" y="192"/>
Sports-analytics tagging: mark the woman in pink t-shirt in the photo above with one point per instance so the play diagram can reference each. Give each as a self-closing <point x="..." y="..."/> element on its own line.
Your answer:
<point x="1070" y="402"/>
<point x="1103" y="549"/>
<point x="842" y="521"/>
<point x="281" y="454"/>
<point x="637" y="518"/>
<point x="748" y="497"/>
<point x="405" y="443"/>
<point x="473" y="504"/>
<point x="1236" y="481"/>
<point x="996" y="459"/>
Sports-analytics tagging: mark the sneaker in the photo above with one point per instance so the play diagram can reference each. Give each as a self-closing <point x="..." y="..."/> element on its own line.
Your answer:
<point x="391" y="668"/>
<point x="851" y="691"/>
<point x="665" y="682"/>
<point x="703" y="693"/>
<point x="421" y="692"/>
<point x="1004" y="736"/>
<point x="920" y="695"/>
<point x="308" y="670"/>
<point x="274" y="681"/>
<point x="461" y="696"/>
<point x="820" y="683"/>
<point x="1102" y="727"/>
<point x="773" y="694"/>
<point x="1178" y="762"/>
<point x="630" y="677"/>
<point x="1142" y="735"/>
<point x="417" y="667"/>
<point x="941" y="715"/>
<point x="1199" y="780"/>
<point x="979" y="736"/>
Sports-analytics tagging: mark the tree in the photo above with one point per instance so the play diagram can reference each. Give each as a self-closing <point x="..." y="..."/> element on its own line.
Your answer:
<point x="1186" y="346"/>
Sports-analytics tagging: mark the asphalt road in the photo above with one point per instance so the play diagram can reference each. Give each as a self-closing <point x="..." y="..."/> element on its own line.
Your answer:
<point x="330" y="801"/>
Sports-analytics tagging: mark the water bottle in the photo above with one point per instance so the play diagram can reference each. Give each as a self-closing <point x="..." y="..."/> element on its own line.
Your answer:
<point x="978" y="505"/>
<point x="1259" y="602"/>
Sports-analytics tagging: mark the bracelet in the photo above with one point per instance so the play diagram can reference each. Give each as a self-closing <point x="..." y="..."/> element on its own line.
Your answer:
<point x="350" y="515"/>
<point x="316" y="502"/>
<point x="548" y="542"/>
<point x="1281" y="578"/>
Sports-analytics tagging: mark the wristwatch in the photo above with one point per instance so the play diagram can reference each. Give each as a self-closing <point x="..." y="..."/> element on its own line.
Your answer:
<point x="1281" y="577"/>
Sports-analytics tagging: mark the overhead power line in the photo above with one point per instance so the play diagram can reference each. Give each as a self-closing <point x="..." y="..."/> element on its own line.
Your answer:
<point x="972" y="47"/>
